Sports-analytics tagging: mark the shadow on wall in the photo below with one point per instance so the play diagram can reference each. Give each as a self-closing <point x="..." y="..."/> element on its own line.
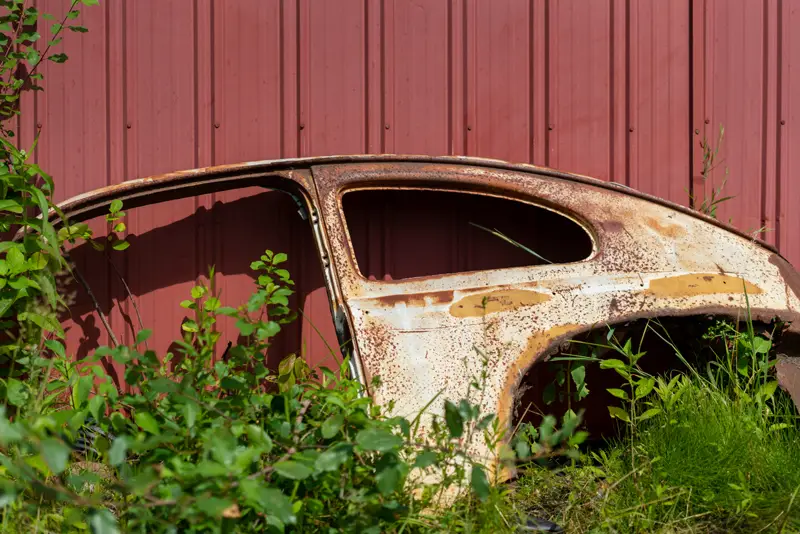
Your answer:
<point x="229" y="235"/>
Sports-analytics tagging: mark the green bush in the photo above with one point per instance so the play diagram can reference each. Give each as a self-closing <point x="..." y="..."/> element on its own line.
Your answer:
<point x="226" y="445"/>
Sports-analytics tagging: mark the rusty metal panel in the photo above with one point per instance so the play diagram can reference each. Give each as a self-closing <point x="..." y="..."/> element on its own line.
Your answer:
<point x="420" y="335"/>
<point x="623" y="85"/>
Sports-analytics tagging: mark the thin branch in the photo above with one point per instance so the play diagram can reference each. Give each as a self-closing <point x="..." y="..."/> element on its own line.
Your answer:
<point x="130" y="296"/>
<point x="76" y="274"/>
<point x="43" y="55"/>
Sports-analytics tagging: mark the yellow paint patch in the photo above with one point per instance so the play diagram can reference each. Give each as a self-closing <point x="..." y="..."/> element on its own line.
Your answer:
<point x="688" y="285"/>
<point x="536" y="345"/>
<point x="667" y="230"/>
<point x="496" y="301"/>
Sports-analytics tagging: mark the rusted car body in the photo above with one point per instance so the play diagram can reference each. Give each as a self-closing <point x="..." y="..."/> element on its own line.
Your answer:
<point x="429" y="336"/>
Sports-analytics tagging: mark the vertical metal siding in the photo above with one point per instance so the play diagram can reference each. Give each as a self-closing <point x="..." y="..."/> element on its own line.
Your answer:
<point x="616" y="89"/>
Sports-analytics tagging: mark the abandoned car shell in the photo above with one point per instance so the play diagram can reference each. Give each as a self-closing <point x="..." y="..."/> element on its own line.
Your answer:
<point x="428" y="336"/>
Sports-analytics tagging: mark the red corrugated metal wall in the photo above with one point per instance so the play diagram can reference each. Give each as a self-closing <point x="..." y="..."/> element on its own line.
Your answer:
<point x="618" y="89"/>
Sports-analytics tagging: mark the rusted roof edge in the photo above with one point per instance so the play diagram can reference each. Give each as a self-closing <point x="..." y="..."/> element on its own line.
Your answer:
<point x="107" y="194"/>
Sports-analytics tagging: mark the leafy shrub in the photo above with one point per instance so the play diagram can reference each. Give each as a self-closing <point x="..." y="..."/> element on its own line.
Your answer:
<point x="218" y="445"/>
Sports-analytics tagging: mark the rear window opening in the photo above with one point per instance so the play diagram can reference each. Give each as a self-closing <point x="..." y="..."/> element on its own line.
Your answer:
<point x="408" y="233"/>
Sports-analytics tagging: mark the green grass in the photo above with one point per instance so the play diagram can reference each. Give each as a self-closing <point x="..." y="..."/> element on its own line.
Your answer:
<point x="708" y="463"/>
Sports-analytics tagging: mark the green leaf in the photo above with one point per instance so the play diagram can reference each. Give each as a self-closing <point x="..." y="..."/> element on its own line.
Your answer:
<point x="32" y="55"/>
<point x="10" y="205"/>
<point x="485" y="421"/>
<point x="15" y="260"/>
<point x="232" y="383"/>
<point x="147" y="422"/>
<point x="17" y="392"/>
<point x="190" y="326"/>
<point x="387" y="479"/>
<point x="333" y="457"/>
<point x="115" y="206"/>
<point x="258" y="436"/>
<point x="649" y="413"/>
<point x="293" y="470"/>
<point x="198" y="292"/>
<point x="268" y="500"/>
<point x="120" y="245"/>
<point x="644" y="387"/>
<point x="279" y="258"/>
<point x="271" y="329"/>
<point x="80" y="393"/>
<point x="244" y="327"/>
<point x="619" y="413"/>
<point x="619" y="393"/>
<point x="58" y="58"/>
<point x="767" y="390"/>
<point x="213" y="506"/>
<point x="761" y="345"/>
<point x="612" y="363"/>
<point x="332" y="425"/>
<point x="118" y="451"/>
<point x="190" y="412"/>
<point x="56" y="346"/>
<point x="579" y="375"/>
<point x="454" y="420"/>
<point x="103" y="522"/>
<point x="425" y="459"/>
<point x="95" y="405"/>
<point x="162" y="385"/>
<point x="211" y="304"/>
<point x="55" y="454"/>
<point x="9" y="431"/>
<point x="377" y="439"/>
<point x="143" y="336"/>
<point x="479" y="482"/>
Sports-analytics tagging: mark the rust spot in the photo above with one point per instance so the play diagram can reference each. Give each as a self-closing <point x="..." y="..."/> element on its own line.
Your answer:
<point x="417" y="299"/>
<point x="788" y="371"/>
<point x="612" y="226"/>
<point x="790" y="276"/>
<point x="667" y="230"/>
<point x="533" y="350"/>
<point x="496" y="301"/>
<point x="687" y="285"/>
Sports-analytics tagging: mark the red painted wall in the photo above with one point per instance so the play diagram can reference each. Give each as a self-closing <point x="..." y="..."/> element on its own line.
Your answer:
<point x="615" y="89"/>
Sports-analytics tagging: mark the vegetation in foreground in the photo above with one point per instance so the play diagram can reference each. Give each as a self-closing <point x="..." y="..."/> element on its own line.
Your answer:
<point x="716" y="450"/>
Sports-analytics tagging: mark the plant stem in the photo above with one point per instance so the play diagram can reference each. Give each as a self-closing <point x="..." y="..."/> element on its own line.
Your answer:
<point x="76" y="274"/>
